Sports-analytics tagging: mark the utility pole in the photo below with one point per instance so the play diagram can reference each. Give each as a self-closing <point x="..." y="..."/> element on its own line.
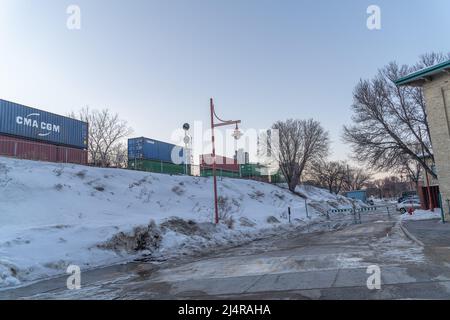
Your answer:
<point x="237" y="134"/>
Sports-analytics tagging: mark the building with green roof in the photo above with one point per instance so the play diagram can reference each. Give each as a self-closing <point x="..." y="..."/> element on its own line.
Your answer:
<point x="435" y="81"/>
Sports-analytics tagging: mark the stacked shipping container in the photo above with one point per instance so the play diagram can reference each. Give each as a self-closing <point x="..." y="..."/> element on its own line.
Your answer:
<point x="157" y="166"/>
<point x="252" y="170"/>
<point x="222" y="163"/>
<point x="208" y="172"/>
<point x="30" y="133"/>
<point x="156" y="156"/>
<point x="31" y="150"/>
<point x="225" y="167"/>
<point x="259" y="172"/>
<point x="151" y="149"/>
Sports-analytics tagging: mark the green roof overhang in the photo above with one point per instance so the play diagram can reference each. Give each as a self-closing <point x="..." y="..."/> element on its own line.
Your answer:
<point x="419" y="77"/>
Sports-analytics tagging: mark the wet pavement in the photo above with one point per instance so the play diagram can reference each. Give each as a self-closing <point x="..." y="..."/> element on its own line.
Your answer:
<point x="429" y="232"/>
<point x="320" y="264"/>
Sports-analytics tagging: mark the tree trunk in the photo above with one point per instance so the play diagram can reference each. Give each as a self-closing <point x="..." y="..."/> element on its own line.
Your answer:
<point x="294" y="182"/>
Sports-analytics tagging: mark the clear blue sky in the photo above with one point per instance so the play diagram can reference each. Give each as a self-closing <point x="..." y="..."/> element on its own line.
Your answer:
<point x="157" y="63"/>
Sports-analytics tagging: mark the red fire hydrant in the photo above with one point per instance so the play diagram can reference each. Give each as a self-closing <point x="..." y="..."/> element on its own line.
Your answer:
<point x="410" y="210"/>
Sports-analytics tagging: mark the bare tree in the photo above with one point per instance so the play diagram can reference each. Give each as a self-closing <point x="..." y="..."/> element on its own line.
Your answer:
<point x="106" y="132"/>
<point x="118" y="157"/>
<point x="300" y="142"/>
<point x="355" y="178"/>
<point x="329" y="174"/>
<point x="410" y="169"/>
<point x="390" y="121"/>
<point x="388" y="187"/>
<point x="374" y="189"/>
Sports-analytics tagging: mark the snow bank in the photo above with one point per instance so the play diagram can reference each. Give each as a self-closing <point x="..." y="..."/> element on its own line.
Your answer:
<point x="322" y="200"/>
<point x="422" y="215"/>
<point x="55" y="215"/>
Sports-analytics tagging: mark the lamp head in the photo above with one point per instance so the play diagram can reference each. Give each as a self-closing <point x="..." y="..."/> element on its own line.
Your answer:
<point x="237" y="134"/>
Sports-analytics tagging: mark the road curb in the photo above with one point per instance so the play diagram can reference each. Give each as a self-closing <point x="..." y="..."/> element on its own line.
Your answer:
<point x="410" y="236"/>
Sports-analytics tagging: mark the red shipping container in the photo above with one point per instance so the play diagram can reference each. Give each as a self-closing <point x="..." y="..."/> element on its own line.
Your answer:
<point x="31" y="150"/>
<point x="224" y="163"/>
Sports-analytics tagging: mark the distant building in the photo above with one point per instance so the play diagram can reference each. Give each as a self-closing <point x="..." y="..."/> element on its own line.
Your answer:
<point x="241" y="156"/>
<point x="435" y="82"/>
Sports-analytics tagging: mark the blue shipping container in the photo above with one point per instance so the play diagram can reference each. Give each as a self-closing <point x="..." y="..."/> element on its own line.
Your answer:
<point x="22" y="121"/>
<point x="151" y="149"/>
<point x="357" y="195"/>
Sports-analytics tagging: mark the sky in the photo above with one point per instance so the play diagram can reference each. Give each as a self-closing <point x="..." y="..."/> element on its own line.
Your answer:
<point x="157" y="63"/>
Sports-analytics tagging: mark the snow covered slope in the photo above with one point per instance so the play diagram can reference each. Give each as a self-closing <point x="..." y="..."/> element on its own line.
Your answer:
<point x="55" y="215"/>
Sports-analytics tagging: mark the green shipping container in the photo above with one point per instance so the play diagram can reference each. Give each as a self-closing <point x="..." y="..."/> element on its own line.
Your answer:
<point x="219" y="173"/>
<point x="157" y="166"/>
<point x="252" y="170"/>
<point x="277" y="178"/>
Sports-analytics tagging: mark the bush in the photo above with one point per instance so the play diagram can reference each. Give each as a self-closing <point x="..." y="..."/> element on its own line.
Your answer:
<point x="141" y="238"/>
<point x="99" y="188"/>
<point x="178" y="190"/>
<point x="81" y="174"/>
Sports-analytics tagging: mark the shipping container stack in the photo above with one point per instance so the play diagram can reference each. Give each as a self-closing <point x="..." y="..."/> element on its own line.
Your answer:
<point x="151" y="155"/>
<point x="33" y="134"/>
<point x="259" y="172"/>
<point x="254" y="171"/>
<point x="225" y="167"/>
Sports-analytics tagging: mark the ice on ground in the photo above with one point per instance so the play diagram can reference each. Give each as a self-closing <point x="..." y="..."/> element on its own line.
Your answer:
<point x="56" y="215"/>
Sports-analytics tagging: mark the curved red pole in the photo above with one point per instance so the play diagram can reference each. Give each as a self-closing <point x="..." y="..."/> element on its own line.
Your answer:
<point x="216" y="207"/>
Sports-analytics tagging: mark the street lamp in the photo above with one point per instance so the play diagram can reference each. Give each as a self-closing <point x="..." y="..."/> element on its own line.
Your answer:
<point x="236" y="134"/>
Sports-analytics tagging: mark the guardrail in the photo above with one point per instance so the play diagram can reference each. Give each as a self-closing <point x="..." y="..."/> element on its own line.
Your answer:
<point x="357" y="214"/>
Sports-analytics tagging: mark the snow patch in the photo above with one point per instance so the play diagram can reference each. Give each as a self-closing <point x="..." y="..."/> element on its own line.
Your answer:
<point x="422" y="215"/>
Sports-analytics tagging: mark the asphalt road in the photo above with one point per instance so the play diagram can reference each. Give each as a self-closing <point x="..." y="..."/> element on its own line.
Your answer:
<point x="316" y="265"/>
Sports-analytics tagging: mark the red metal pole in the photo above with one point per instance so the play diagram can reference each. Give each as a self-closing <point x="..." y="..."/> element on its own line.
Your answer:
<point x="216" y="207"/>
<point x="430" y="199"/>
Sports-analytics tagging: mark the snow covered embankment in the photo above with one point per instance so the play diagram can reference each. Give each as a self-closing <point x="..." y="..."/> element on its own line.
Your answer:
<point x="54" y="215"/>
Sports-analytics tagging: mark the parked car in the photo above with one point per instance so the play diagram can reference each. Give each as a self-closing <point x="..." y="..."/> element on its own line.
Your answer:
<point x="409" y="203"/>
<point x="408" y="195"/>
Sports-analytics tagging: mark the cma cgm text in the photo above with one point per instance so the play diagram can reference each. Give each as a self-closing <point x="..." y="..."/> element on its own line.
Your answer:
<point x="35" y="124"/>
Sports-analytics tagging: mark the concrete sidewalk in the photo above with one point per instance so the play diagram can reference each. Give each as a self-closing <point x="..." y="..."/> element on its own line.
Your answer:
<point x="432" y="233"/>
